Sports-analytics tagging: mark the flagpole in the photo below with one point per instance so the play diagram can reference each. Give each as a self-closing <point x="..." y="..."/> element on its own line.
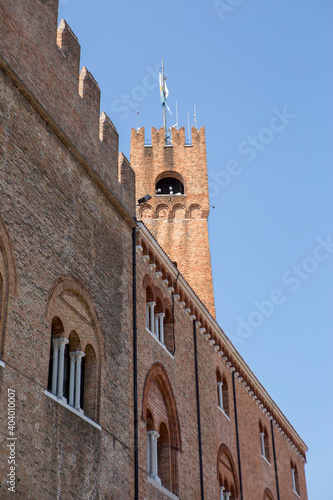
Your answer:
<point x="164" y="106"/>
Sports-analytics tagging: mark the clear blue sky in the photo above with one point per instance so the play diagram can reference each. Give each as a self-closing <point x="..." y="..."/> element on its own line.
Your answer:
<point x="272" y="222"/>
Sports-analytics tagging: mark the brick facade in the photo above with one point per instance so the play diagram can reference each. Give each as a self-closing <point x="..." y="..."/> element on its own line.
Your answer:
<point x="67" y="216"/>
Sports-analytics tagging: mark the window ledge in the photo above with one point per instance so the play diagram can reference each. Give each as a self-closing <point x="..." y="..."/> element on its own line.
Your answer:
<point x="161" y="488"/>
<point x="81" y="415"/>
<point x="2" y="363"/>
<point x="224" y="413"/>
<point x="264" y="458"/>
<point x="160" y="343"/>
<point x="297" y="494"/>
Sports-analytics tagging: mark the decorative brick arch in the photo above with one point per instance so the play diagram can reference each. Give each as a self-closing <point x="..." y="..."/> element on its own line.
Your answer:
<point x="92" y="347"/>
<point x="158" y="375"/>
<point x="68" y="283"/>
<point x="268" y="495"/>
<point x="8" y="280"/>
<point x="156" y="291"/>
<point x="8" y="253"/>
<point x="170" y="173"/>
<point x="224" y="450"/>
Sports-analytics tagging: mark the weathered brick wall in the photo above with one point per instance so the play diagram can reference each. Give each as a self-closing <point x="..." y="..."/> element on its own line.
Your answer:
<point x="61" y="224"/>
<point x="47" y="61"/>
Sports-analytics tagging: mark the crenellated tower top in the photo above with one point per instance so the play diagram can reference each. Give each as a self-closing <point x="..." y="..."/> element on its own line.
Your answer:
<point x="175" y="176"/>
<point x="45" y="61"/>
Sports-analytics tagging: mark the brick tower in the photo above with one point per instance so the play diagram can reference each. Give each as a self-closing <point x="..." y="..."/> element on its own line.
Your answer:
<point x="176" y="178"/>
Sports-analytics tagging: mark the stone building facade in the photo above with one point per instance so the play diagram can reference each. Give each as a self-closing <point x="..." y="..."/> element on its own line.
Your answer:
<point x="116" y="382"/>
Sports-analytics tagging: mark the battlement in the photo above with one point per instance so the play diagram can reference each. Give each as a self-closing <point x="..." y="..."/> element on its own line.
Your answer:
<point x="188" y="163"/>
<point x="49" y="67"/>
<point x="178" y="138"/>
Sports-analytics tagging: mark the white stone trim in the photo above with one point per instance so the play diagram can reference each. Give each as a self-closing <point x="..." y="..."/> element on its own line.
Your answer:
<point x="145" y="258"/>
<point x="158" y="274"/>
<point x="70" y="408"/>
<point x="266" y="460"/>
<point x="161" y="488"/>
<point x="152" y="459"/>
<point x="139" y="249"/>
<point x="224" y="413"/>
<point x="162" y="345"/>
<point x="2" y="363"/>
<point x="152" y="266"/>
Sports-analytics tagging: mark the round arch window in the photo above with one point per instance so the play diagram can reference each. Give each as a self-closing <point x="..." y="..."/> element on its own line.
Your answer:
<point x="169" y="186"/>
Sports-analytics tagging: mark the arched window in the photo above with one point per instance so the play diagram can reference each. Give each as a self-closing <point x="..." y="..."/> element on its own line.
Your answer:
<point x="169" y="186"/>
<point x="268" y="495"/>
<point x="163" y="433"/>
<point x="264" y="443"/>
<point x="74" y="369"/>
<point x="89" y="386"/>
<point x="57" y="359"/>
<point x="226" y="473"/>
<point x="222" y="393"/>
<point x="168" y="331"/>
<point x="159" y="321"/>
<point x="150" y="310"/>
<point x="163" y="454"/>
<point x="294" y="477"/>
<point x="8" y="281"/>
<point x="74" y="377"/>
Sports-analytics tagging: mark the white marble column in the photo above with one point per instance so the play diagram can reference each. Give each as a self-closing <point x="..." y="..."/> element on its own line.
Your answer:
<point x="151" y="320"/>
<point x="157" y="330"/>
<point x="221" y="493"/>
<point x="79" y="356"/>
<point x="152" y="458"/>
<point x="148" y="453"/>
<point x="160" y="317"/>
<point x="147" y="315"/>
<point x="72" y="356"/>
<point x="155" y="457"/>
<point x="262" y="441"/>
<point x="293" y="479"/>
<point x="62" y="344"/>
<point x="220" y="386"/>
<point x="55" y="347"/>
<point x="227" y="495"/>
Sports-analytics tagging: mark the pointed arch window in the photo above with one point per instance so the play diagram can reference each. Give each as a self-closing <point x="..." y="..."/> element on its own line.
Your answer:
<point x="163" y="433"/>
<point x="222" y="393"/>
<point x="294" y="478"/>
<point x="227" y="479"/>
<point x="264" y="442"/>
